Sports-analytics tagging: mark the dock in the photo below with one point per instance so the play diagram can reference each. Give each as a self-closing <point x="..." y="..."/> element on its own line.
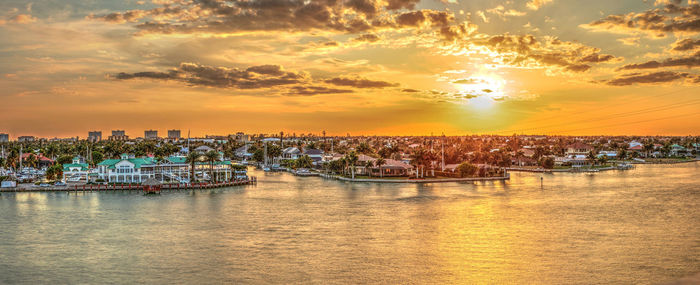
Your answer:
<point x="129" y="187"/>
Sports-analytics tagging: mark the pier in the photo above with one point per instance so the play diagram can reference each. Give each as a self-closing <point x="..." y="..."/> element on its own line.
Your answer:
<point x="125" y="187"/>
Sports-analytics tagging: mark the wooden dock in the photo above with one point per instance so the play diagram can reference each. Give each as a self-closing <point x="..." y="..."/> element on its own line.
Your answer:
<point x="129" y="187"/>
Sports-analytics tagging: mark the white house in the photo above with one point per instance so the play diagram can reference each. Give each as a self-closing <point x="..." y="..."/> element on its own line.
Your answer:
<point x="125" y="170"/>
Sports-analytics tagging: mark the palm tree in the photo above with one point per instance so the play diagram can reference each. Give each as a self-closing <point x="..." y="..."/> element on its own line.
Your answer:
<point x="192" y="159"/>
<point x="379" y="162"/>
<point x="212" y="156"/>
<point x="591" y="156"/>
<point x="351" y="159"/>
<point x="368" y="166"/>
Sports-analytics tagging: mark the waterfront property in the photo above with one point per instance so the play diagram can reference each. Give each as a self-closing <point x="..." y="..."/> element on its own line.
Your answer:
<point x="126" y="169"/>
<point x="76" y="171"/>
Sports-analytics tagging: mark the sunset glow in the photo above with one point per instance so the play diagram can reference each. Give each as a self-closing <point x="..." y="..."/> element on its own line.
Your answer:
<point x="395" y="67"/>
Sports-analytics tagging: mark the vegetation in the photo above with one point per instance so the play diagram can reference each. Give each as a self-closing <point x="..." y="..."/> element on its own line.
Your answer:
<point x="466" y="169"/>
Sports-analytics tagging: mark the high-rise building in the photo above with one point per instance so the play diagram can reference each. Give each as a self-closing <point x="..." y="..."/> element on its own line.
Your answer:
<point x="94" y="136"/>
<point x="174" y="134"/>
<point x="4" y="137"/>
<point x="26" y="139"/>
<point x="118" y="135"/>
<point x="150" y="134"/>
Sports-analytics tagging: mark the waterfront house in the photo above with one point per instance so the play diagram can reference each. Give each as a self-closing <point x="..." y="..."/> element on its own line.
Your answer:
<point x="242" y="152"/>
<point x="578" y="148"/>
<point x="126" y="169"/>
<point x="203" y="149"/>
<point x="316" y="155"/>
<point x="678" y="150"/>
<point x="43" y="162"/>
<point x="76" y="171"/>
<point x="291" y="153"/>
<point x="610" y="154"/>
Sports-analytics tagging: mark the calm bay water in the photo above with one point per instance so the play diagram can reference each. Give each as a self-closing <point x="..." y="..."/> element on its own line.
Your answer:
<point x="639" y="226"/>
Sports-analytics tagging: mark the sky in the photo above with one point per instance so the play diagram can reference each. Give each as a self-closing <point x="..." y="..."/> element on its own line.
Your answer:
<point x="363" y="67"/>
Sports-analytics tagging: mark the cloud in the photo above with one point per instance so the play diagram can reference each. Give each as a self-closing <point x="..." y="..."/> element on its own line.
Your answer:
<point x="315" y="90"/>
<point x="536" y="4"/>
<point x="19" y="19"/>
<point x="467" y="81"/>
<point x="503" y="12"/>
<point x="255" y="77"/>
<point x="225" y="17"/>
<point x="651" y="78"/>
<point x="262" y="76"/>
<point x="527" y="51"/>
<point x="686" y="44"/>
<point x="358" y="82"/>
<point x="658" y="22"/>
<point x="689" y="62"/>
<point x="367" y="38"/>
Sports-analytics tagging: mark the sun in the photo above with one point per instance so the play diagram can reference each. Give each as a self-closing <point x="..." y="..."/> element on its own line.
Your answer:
<point x="481" y="91"/>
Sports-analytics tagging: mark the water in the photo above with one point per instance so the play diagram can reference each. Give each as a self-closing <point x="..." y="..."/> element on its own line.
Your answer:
<point x="639" y="226"/>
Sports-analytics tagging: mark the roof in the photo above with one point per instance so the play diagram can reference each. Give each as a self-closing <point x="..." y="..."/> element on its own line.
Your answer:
<point x="291" y="150"/>
<point x="151" y="182"/>
<point x="177" y="159"/>
<point x="138" y="162"/>
<point x="579" y="145"/>
<point x="203" y="148"/>
<point x="313" y="152"/>
<point x="68" y="166"/>
<point x="218" y="162"/>
<point x="39" y="157"/>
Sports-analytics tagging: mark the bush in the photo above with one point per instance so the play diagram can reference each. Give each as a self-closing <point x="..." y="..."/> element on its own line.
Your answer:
<point x="547" y="162"/>
<point x="466" y="169"/>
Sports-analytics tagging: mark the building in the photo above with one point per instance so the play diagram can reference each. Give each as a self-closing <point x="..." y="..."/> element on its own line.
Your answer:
<point x="118" y="135"/>
<point x="578" y="148"/>
<point x="291" y="153"/>
<point x="42" y="162"/>
<point x="4" y="137"/>
<point x="202" y="149"/>
<point x="174" y="134"/>
<point x="150" y="134"/>
<point x="76" y="171"/>
<point x="316" y="155"/>
<point x="126" y="169"/>
<point x="94" y="136"/>
<point x="26" y="139"/>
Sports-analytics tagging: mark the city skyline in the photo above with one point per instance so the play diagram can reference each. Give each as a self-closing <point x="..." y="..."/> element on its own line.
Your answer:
<point x="370" y="67"/>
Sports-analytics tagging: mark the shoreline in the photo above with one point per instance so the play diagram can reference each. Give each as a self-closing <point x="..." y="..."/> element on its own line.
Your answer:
<point x="592" y="170"/>
<point x="101" y="188"/>
<point x="418" y="181"/>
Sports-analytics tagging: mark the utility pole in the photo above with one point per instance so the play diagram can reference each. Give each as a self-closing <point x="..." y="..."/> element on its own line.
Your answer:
<point x="443" y="155"/>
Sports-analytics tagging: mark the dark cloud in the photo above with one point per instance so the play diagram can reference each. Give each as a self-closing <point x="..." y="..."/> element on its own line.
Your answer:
<point x="367" y="38"/>
<point x="255" y="77"/>
<point x="401" y="4"/>
<point x="315" y="90"/>
<point x="263" y="76"/>
<point x="686" y="44"/>
<point x="409" y="90"/>
<point x="594" y="58"/>
<point x="689" y="62"/>
<point x="354" y="16"/>
<point x="651" y="78"/>
<point x="358" y="82"/>
<point x="672" y="18"/>
<point x="418" y="18"/>
<point x="467" y="81"/>
<point x="524" y="50"/>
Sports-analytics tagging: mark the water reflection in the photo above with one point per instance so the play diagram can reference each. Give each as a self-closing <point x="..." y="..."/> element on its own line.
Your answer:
<point x="636" y="226"/>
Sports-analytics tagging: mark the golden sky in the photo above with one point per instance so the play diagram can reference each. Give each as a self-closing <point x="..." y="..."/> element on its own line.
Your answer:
<point x="395" y="67"/>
